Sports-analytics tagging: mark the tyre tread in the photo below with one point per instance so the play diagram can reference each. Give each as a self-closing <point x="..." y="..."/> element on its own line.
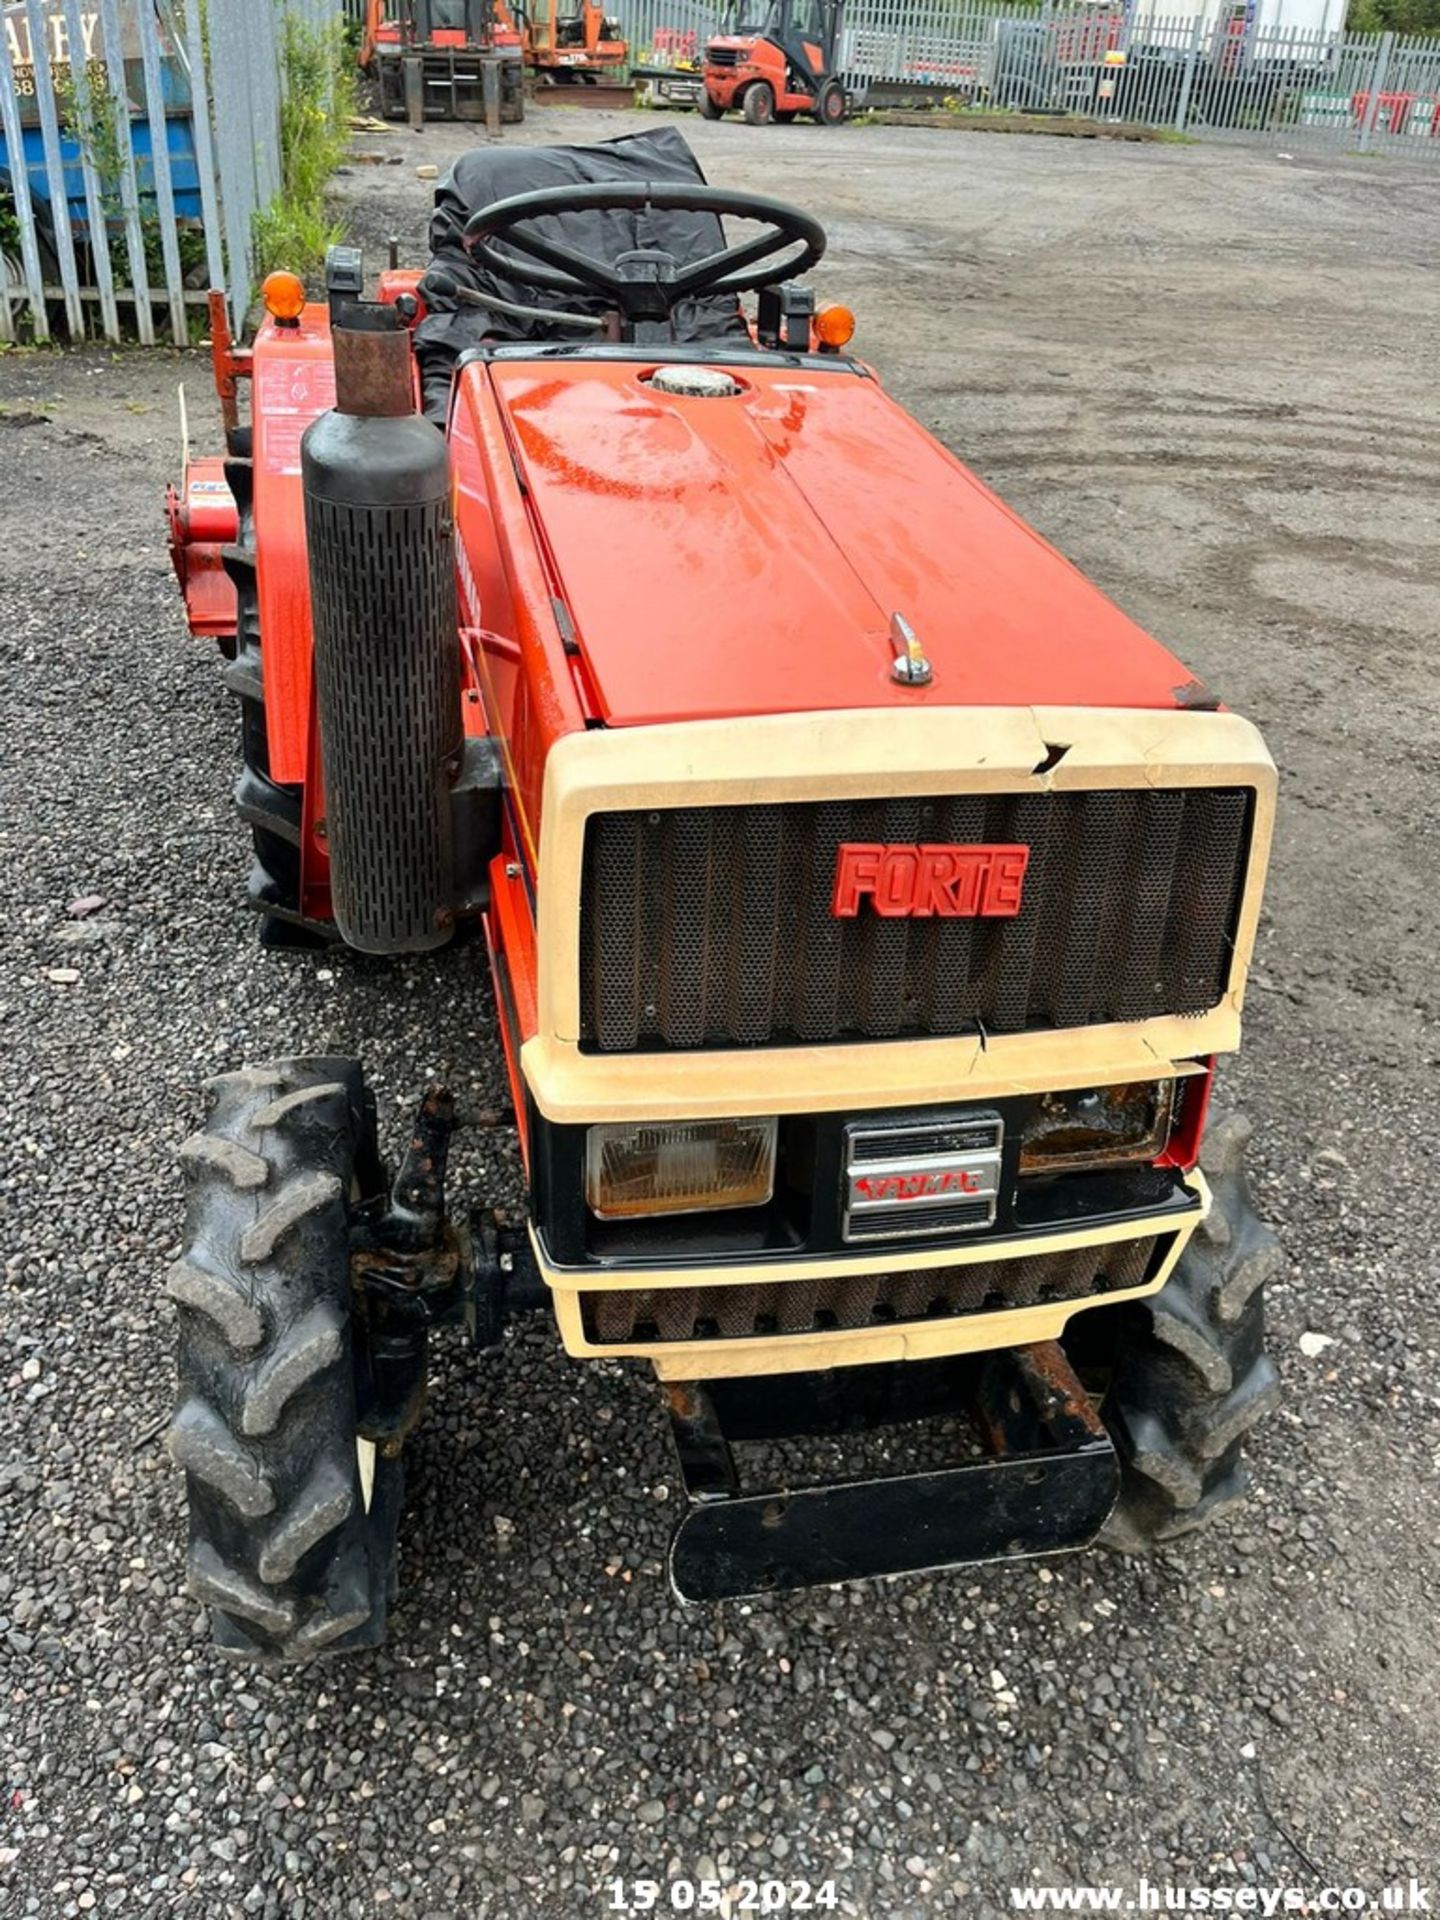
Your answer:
<point x="325" y="1503"/>
<point x="285" y="1552"/>
<point x="307" y="1349"/>
<point x="245" y="1170"/>
<point x="201" y="1443"/>
<point x="236" y="1315"/>
<point x="298" y="1098"/>
<point x="1195" y="1377"/>
<point x="303" y="1197"/>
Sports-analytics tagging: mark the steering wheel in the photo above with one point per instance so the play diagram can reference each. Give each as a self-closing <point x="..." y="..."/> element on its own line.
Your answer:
<point x="647" y="283"/>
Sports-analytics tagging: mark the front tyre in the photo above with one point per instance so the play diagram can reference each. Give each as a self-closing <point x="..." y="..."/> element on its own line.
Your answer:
<point x="292" y="1514"/>
<point x="710" y="107"/>
<point x="759" y="104"/>
<point x="1193" y="1376"/>
<point x="830" y="106"/>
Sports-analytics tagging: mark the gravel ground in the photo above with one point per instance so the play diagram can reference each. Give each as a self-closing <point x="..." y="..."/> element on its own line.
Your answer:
<point x="1208" y="375"/>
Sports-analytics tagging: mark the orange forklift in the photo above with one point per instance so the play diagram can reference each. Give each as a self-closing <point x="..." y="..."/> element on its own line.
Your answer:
<point x="443" y="60"/>
<point x="581" y="46"/>
<point x="774" y="60"/>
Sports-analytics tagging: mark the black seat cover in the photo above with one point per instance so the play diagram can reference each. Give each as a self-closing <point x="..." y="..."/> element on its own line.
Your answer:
<point x="487" y="174"/>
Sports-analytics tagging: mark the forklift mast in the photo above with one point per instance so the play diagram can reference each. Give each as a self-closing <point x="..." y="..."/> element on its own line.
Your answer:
<point x="428" y="23"/>
<point x="444" y="59"/>
<point x="475" y="19"/>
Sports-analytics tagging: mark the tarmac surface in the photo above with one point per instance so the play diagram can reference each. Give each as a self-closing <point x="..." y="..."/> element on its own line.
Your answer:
<point x="1208" y="375"/>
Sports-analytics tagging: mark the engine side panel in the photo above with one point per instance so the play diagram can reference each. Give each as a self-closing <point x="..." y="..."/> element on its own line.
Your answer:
<point x="511" y="603"/>
<point x="294" y="382"/>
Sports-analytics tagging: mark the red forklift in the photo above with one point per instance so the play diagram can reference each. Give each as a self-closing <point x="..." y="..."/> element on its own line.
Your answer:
<point x="443" y="60"/>
<point x="775" y="60"/>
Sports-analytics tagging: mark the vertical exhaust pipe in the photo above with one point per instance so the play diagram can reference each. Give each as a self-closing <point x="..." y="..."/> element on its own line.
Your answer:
<point x="378" y="526"/>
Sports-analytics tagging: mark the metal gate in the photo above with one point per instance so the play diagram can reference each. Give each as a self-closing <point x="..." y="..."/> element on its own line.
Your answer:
<point x="1197" y="72"/>
<point x="132" y="174"/>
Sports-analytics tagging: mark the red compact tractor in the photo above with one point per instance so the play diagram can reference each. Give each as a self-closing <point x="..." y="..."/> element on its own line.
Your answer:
<point x="866" y="898"/>
<point x="775" y="60"/>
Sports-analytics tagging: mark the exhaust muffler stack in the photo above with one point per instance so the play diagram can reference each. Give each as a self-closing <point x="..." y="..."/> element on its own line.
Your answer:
<point x="379" y="530"/>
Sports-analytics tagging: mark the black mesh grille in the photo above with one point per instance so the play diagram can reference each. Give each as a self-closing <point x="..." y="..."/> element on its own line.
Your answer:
<point x="386" y="667"/>
<point x="713" y="926"/>
<point x="739" y="1312"/>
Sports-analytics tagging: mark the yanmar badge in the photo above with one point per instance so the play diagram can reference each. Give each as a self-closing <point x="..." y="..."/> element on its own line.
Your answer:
<point x="930" y="1177"/>
<point x="903" y="881"/>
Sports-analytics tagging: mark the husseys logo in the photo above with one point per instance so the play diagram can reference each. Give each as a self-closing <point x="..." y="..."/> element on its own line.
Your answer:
<point x="902" y="881"/>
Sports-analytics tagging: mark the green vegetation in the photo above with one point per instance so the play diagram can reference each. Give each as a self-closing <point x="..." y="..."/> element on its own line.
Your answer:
<point x="100" y="126"/>
<point x="1399" y="16"/>
<point x="9" y="226"/>
<point x="319" y="72"/>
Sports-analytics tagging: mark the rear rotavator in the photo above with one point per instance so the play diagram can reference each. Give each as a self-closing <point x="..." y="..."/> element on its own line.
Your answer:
<point x="860" y="987"/>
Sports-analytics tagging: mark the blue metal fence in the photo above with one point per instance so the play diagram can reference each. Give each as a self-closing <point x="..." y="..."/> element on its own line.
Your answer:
<point x="130" y="176"/>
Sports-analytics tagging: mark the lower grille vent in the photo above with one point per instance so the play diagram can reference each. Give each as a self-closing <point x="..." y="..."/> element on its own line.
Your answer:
<point x="843" y="1302"/>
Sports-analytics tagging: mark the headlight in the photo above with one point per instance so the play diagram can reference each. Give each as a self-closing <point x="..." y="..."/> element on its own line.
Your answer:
<point x="1098" y="1127"/>
<point x="685" y="1166"/>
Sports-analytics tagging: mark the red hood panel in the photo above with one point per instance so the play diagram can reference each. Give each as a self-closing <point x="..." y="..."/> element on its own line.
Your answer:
<point x="745" y="555"/>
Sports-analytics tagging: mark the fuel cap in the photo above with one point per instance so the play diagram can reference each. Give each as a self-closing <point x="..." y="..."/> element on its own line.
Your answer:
<point x="701" y="383"/>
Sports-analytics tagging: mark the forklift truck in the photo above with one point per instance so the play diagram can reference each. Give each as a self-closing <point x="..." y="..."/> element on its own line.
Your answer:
<point x="775" y="61"/>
